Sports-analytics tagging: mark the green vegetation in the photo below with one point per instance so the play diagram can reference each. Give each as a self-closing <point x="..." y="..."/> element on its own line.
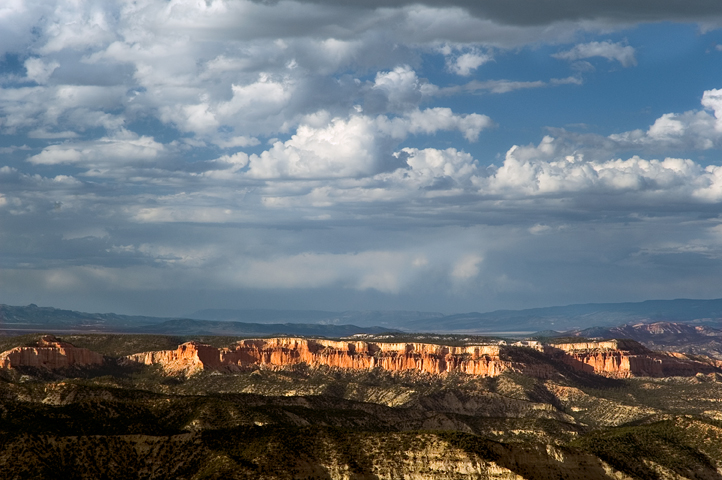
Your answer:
<point x="638" y="450"/>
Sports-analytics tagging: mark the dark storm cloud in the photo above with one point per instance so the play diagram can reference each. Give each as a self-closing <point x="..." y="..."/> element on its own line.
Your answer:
<point x="543" y="12"/>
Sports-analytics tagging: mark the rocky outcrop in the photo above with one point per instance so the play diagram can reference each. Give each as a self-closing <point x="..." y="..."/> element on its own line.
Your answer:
<point x="49" y="353"/>
<point x="188" y="358"/>
<point x="614" y="358"/>
<point x="627" y="358"/>
<point x="483" y="360"/>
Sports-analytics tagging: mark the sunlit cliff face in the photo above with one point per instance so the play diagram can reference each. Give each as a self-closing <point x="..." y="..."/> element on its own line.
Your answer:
<point x="612" y="359"/>
<point x="615" y="358"/>
<point x="50" y="353"/>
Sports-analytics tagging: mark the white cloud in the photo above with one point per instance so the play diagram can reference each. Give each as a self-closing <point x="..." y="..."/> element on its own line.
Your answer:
<point x="341" y="149"/>
<point x="620" y="52"/>
<point x="355" y="147"/>
<point x="467" y="62"/>
<point x="712" y="99"/>
<point x="430" y="164"/>
<point x="229" y="165"/>
<point x="59" y="110"/>
<point x="530" y="171"/>
<point x="238" y="141"/>
<point x="39" y="71"/>
<point x="45" y="134"/>
<point x="222" y="70"/>
<point x="467" y="267"/>
<point x="124" y="147"/>
<point x="431" y="120"/>
<point x="197" y="81"/>
<point x="402" y="88"/>
<point x="384" y="271"/>
<point x="695" y="129"/>
<point x="76" y="25"/>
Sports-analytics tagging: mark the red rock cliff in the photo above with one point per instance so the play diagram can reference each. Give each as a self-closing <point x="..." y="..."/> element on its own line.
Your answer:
<point x="189" y="357"/>
<point x="626" y="358"/>
<point x="484" y="360"/>
<point x="614" y="358"/>
<point x="49" y="353"/>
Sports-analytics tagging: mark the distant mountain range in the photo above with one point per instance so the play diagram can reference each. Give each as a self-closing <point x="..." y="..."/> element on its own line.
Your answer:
<point x="667" y="336"/>
<point x="529" y="320"/>
<point x="384" y="318"/>
<point x="578" y="316"/>
<point x="187" y="326"/>
<point x="17" y="319"/>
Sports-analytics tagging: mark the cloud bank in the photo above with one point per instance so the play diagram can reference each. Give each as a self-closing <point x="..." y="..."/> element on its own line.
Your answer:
<point x="160" y="157"/>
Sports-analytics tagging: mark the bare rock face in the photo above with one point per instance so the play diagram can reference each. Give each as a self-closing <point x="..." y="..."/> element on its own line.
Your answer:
<point x="420" y="357"/>
<point x="615" y="358"/>
<point x="49" y="353"/>
<point x="627" y="358"/>
<point x="483" y="360"/>
<point x="188" y="358"/>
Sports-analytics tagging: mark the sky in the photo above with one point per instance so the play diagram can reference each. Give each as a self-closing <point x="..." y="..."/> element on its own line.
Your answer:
<point x="164" y="156"/>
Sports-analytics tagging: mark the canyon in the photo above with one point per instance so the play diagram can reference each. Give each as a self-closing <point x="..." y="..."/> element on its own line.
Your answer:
<point x="483" y="360"/>
<point x="426" y="407"/>
<point x="614" y="358"/>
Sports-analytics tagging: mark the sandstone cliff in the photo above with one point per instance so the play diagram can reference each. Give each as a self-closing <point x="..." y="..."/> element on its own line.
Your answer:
<point x="49" y="353"/>
<point x="614" y="358"/>
<point x="483" y="360"/>
<point x="627" y="358"/>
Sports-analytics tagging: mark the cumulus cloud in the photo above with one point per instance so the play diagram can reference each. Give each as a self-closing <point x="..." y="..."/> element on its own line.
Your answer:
<point x="430" y="164"/>
<point x="694" y="129"/>
<point x="522" y="174"/>
<point x="465" y="62"/>
<point x="39" y="71"/>
<point x="624" y="54"/>
<point x="229" y="70"/>
<point x="358" y="146"/>
<point x="398" y="90"/>
<point x="535" y="181"/>
<point x="262" y="145"/>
